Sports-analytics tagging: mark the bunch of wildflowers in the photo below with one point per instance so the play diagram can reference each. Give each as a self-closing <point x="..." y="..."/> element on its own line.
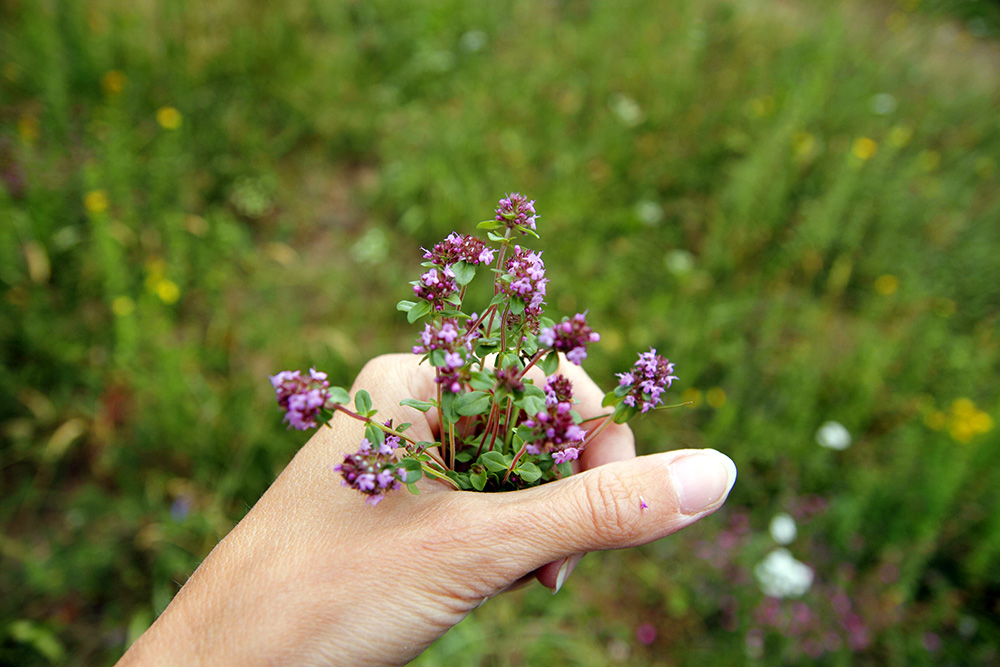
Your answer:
<point x="498" y="429"/>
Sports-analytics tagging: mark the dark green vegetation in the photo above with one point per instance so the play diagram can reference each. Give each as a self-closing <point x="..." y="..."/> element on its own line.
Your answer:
<point x="796" y="202"/>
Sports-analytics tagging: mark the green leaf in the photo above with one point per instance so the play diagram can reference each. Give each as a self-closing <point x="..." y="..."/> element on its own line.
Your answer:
<point x="405" y="306"/>
<point x="478" y="479"/>
<point x="550" y="363"/>
<point x="489" y="224"/>
<point x="418" y="310"/>
<point x="609" y="399"/>
<point x="339" y="395"/>
<point x="402" y="427"/>
<point x="473" y="403"/>
<point x="525" y="434"/>
<point x="412" y="488"/>
<point x="530" y="346"/>
<point x="363" y="402"/>
<point x="516" y="305"/>
<point x="437" y="358"/>
<point x="528" y="471"/>
<point x="448" y="407"/>
<point x="531" y="405"/>
<point x="623" y="413"/>
<point x="375" y="435"/>
<point x="483" y="350"/>
<point x="463" y="480"/>
<point x="622" y="391"/>
<point x="532" y="389"/>
<point x="423" y="406"/>
<point x="464" y="456"/>
<point x="482" y="381"/>
<point x="464" y="272"/>
<point x="414" y="471"/>
<point x="497" y="299"/>
<point x="494" y="461"/>
<point x="496" y="238"/>
<point x="565" y="469"/>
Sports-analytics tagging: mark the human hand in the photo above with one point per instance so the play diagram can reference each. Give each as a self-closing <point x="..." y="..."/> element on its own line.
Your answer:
<point x="312" y="576"/>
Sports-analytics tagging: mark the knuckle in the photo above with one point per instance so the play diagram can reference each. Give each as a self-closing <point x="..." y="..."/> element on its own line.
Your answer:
<point x="608" y="502"/>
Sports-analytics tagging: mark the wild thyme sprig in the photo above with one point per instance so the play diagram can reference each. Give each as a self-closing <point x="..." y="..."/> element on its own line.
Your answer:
<point x="498" y="429"/>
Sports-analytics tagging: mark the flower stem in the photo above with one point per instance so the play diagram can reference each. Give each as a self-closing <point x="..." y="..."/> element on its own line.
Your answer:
<point x="513" y="463"/>
<point x="376" y="424"/>
<point x="534" y="360"/>
<point x="597" y="431"/>
<point x="437" y="475"/>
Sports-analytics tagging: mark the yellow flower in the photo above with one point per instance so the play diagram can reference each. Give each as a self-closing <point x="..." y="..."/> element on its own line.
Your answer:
<point x="716" y="397"/>
<point x="966" y="421"/>
<point x="96" y="201"/>
<point x="864" y="148"/>
<point x="122" y="306"/>
<point x="167" y="290"/>
<point x="887" y="284"/>
<point x="113" y="82"/>
<point x="169" y="118"/>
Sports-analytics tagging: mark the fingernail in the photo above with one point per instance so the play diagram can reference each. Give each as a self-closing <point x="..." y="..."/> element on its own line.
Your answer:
<point x="703" y="480"/>
<point x="564" y="571"/>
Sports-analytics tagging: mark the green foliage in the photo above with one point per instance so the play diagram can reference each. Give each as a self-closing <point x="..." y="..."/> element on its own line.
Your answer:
<point x="796" y="203"/>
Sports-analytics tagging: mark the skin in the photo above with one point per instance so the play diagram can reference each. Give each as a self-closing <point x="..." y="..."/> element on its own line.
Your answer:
<point x="314" y="576"/>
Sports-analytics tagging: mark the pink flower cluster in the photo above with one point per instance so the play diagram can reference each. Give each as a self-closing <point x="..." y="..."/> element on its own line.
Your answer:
<point x="370" y="470"/>
<point x="447" y="337"/>
<point x="460" y="247"/>
<point x="554" y="428"/>
<point x="515" y="210"/>
<point x="571" y="336"/>
<point x="436" y="285"/>
<point x="301" y="398"/>
<point x="526" y="279"/>
<point x="649" y="378"/>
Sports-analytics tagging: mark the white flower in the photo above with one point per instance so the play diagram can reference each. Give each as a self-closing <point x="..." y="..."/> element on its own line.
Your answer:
<point x="834" y="436"/>
<point x="781" y="576"/>
<point x="783" y="528"/>
<point x="626" y="109"/>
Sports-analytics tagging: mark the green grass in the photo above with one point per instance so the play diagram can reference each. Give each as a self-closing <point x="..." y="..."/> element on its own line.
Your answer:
<point x="798" y="203"/>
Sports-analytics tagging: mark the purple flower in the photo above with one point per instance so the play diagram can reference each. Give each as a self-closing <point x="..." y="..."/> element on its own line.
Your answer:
<point x="648" y="379"/>
<point x="571" y="336"/>
<point x="372" y="471"/>
<point x="436" y="286"/>
<point x="554" y="429"/>
<point x="525" y="278"/>
<point x="460" y="247"/>
<point x="448" y="338"/>
<point x="517" y="212"/>
<point x="301" y="398"/>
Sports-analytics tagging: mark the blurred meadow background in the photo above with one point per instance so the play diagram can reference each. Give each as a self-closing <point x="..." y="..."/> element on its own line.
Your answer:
<point x="798" y="202"/>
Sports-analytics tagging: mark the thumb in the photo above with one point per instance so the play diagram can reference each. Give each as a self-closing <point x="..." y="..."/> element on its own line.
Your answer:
<point x="613" y="506"/>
